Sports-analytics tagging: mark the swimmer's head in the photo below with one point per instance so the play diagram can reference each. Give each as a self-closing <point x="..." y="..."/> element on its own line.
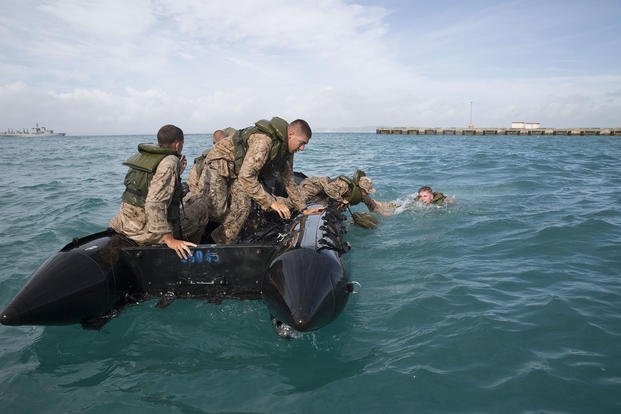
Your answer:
<point x="425" y="194"/>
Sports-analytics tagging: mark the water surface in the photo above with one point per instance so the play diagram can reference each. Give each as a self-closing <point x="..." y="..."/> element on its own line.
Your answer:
<point x="507" y="301"/>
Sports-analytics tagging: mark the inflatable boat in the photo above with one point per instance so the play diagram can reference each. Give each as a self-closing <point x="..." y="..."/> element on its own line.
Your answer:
<point x="296" y="266"/>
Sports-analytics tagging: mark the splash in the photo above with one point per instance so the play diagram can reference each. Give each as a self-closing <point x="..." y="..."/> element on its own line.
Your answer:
<point x="409" y="203"/>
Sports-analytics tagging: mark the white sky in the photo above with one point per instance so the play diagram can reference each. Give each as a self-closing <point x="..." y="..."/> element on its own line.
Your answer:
<point x="124" y="67"/>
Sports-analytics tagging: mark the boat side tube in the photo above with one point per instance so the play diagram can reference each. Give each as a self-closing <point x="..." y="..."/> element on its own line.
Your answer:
<point x="213" y="272"/>
<point x="307" y="285"/>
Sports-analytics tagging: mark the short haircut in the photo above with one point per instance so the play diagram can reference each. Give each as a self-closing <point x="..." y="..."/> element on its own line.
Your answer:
<point x="218" y="134"/>
<point x="425" y="188"/>
<point x="169" y="134"/>
<point x="303" y="127"/>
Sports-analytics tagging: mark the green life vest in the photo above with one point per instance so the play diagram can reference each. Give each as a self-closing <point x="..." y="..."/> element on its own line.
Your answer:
<point x="354" y="195"/>
<point x="199" y="163"/>
<point x="438" y="198"/>
<point x="142" y="167"/>
<point x="276" y="129"/>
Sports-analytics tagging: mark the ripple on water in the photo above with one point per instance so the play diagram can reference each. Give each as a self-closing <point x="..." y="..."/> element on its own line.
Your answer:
<point x="507" y="300"/>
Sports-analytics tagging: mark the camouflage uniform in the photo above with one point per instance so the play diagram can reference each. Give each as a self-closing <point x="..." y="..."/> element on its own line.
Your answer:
<point x="337" y="189"/>
<point x="196" y="179"/>
<point x="240" y="188"/>
<point x="207" y="173"/>
<point x="194" y="218"/>
<point x="148" y="224"/>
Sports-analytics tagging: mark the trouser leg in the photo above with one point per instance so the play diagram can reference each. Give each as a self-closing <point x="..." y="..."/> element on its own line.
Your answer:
<point x="236" y="217"/>
<point x="194" y="218"/>
<point x="218" y="194"/>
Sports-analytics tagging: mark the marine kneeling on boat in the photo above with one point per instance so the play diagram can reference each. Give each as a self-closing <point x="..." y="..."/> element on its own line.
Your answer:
<point x="150" y="210"/>
<point x="198" y="180"/>
<point x="232" y="173"/>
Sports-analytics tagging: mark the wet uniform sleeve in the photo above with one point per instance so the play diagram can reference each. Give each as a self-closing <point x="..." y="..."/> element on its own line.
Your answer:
<point x="160" y="194"/>
<point x="371" y="204"/>
<point x="312" y="186"/>
<point x="293" y="192"/>
<point x="308" y="188"/>
<point x="259" y="147"/>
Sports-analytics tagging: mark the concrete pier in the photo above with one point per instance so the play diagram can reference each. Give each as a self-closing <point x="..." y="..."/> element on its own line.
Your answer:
<point x="499" y="131"/>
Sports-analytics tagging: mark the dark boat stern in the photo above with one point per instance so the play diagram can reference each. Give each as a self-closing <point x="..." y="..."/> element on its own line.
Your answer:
<point x="77" y="285"/>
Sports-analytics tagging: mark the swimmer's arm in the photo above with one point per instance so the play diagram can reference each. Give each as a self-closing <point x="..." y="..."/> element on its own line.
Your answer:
<point x="385" y="209"/>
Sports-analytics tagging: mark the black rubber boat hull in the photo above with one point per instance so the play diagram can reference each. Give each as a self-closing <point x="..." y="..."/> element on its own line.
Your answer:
<point x="85" y="280"/>
<point x="301" y="277"/>
<point x="307" y="287"/>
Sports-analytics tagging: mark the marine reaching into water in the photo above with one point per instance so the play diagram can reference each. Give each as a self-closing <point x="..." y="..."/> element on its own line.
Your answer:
<point x="345" y="190"/>
<point x="348" y="192"/>
<point x="236" y="166"/>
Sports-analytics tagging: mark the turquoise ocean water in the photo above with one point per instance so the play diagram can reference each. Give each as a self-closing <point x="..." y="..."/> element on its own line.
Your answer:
<point x="508" y="301"/>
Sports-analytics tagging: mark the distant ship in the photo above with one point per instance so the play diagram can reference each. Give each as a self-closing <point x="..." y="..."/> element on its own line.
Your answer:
<point x="32" y="132"/>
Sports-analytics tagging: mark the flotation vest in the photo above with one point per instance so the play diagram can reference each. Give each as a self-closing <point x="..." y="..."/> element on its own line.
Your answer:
<point x="438" y="198"/>
<point x="354" y="195"/>
<point x="142" y="167"/>
<point x="199" y="163"/>
<point x="276" y="129"/>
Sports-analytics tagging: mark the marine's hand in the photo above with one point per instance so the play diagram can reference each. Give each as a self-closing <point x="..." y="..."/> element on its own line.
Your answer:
<point x="387" y="209"/>
<point x="314" y="210"/>
<point x="181" y="247"/>
<point x="282" y="210"/>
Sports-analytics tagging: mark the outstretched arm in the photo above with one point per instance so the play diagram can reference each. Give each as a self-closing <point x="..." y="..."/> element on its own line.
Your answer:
<point x="385" y="209"/>
<point x="157" y="202"/>
<point x="293" y="192"/>
<point x="259" y="147"/>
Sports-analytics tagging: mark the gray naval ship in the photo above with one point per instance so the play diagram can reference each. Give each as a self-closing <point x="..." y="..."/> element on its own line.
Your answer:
<point x="31" y="132"/>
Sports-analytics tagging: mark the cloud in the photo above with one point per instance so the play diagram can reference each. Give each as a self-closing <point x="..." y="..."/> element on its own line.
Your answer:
<point x="322" y="27"/>
<point x="129" y="67"/>
<point x="108" y="21"/>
